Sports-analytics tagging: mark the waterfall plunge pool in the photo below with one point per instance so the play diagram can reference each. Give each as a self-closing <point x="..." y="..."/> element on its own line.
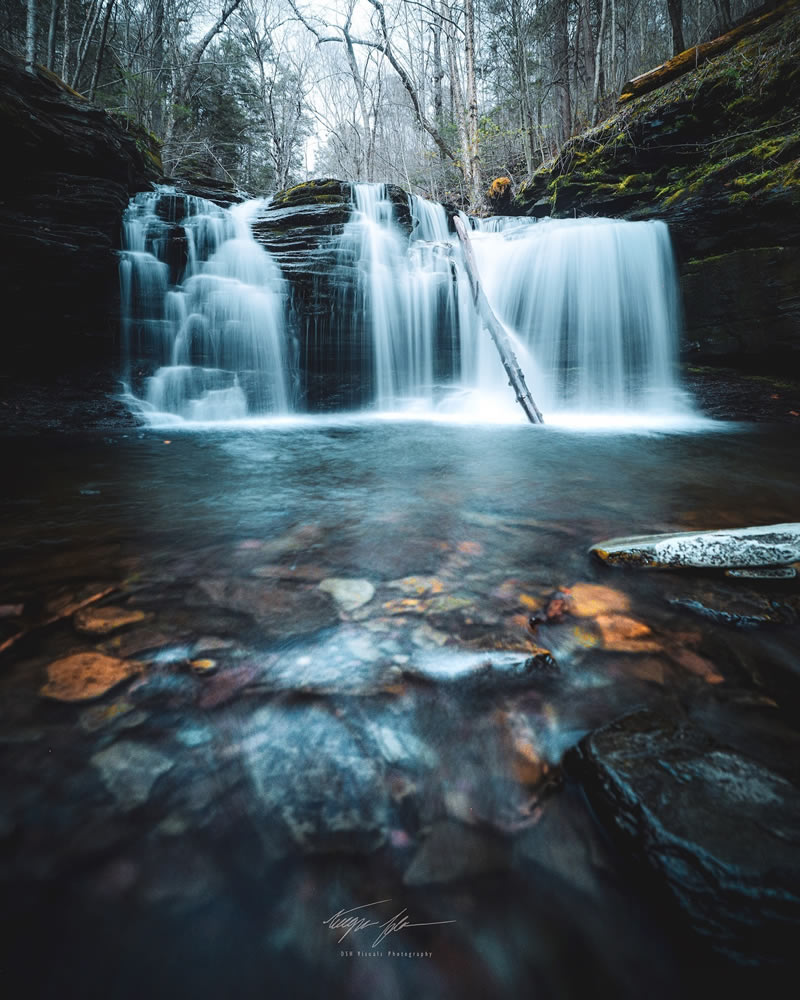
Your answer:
<point x="348" y="582"/>
<point x="266" y="668"/>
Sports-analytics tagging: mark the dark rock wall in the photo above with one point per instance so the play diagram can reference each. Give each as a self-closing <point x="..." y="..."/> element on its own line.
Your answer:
<point x="67" y="172"/>
<point x="303" y="228"/>
<point x="716" y="154"/>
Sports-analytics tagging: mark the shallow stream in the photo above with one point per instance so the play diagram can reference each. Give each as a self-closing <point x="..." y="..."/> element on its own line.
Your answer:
<point x="339" y="699"/>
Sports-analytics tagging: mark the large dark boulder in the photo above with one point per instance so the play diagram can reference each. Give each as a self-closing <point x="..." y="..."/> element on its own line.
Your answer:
<point x="709" y="802"/>
<point x="67" y="172"/>
<point x="716" y="154"/>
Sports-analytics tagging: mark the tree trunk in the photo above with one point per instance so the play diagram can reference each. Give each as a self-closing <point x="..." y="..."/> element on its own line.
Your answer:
<point x="675" y="8"/>
<point x="438" y="72"/>
<point x="521" y="72"/>
<point x="498" y="334"/>
<point x="587" y="43"/>
<point x="561" y="68"/>
<point x="30" y="35"/>
<point x="157" y="64"/>
<point x="86" y="40"/>
<point x="725" y="17"/>
<point x="358" y="82"/>
<point x="65" y="53"/>
<point x="198" y="51"/>
<point x="459" y="113"/>
<point x="613" y="57"/>
<point x="52" y="31"/>
<point x="474" y="167"/>
<point x="597" y="63"/>
<point x="98" y="63"/>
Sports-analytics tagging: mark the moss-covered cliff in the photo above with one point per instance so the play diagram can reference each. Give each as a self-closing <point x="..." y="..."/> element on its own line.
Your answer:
<point x="715" y="153"/>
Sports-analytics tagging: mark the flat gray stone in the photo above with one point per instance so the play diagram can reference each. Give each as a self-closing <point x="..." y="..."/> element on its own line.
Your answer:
<point x="348" y="594"/>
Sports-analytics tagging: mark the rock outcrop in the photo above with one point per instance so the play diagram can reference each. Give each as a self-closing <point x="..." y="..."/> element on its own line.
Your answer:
<point x="302" y="228"/>
<point x="716" y="154"/>
<point x="713" y="815"/>
<point x="68" y="171"/>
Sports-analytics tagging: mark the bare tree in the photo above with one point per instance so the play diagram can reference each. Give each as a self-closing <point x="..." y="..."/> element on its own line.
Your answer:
<point x="675" y="9"/>
<point x="30" y="35"/>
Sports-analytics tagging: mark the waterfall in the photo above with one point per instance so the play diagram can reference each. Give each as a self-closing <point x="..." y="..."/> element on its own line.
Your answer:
<point x="590" y="305"/>
<point x="594" y="309"/>
<point x="404" y="295"/>
<point x="203" y="311"/>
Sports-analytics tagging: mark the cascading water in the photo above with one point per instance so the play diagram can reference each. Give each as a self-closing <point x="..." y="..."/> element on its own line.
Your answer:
<point x="590" y="306"/>
<point x="205" y="305"/>
<point x="404" y="295"/>
<point x="594" y="308"/>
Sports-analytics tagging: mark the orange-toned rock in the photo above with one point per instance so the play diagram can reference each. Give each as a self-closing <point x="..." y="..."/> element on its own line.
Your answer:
<point x="84" y="676"/>
<point x="622" y="634"/>
<point x="648" y="668"/>
<point x="405" y="606"/>
<point x="586" y="600"/>
<point x="529" y="768"/>
<point x="697" y="664"/>
<point x="103" y="621"/>
<point x="418" y="585"/>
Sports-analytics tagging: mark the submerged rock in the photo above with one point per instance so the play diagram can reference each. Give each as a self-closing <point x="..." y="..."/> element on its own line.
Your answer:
<point x="622" y="634"/>
<point x="99" y="716"/>
<point x="473" y="672"/>
<point x="717" y="828"/>
<point x="453" y="851"/>
<point x="102" y="621"/>
<point x="129" y="770"/>
<point x="86" y="675"/>
<point x="319" y="786"/>
<point x="767" y="545"/>
<point x="586" y="600"/>
<point x="348" y="594"/>
<point x="278" y="610"/>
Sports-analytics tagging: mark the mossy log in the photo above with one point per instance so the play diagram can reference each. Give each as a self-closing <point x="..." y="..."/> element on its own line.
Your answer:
<point x="686" y="61"/>
<point x="501" y="339"/>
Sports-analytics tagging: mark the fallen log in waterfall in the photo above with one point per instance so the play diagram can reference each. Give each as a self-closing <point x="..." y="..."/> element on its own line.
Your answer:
<point x="498" y="333"/>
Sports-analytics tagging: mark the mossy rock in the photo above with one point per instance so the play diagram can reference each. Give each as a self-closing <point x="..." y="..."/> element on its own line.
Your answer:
<point x="326" y="191"/>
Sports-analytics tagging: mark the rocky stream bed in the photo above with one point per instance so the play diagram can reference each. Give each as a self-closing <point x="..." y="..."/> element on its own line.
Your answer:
<point x="229" y="713"/>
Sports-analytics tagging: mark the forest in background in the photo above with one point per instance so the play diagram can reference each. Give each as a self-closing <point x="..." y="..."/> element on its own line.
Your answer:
<point x="439" y="96"/>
